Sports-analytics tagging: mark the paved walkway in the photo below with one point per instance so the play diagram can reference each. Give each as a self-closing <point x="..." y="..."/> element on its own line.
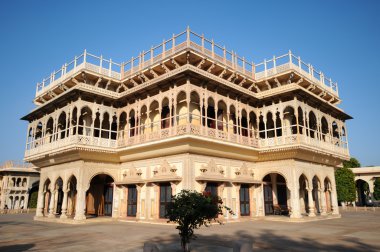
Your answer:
<point x="355" y="231"/>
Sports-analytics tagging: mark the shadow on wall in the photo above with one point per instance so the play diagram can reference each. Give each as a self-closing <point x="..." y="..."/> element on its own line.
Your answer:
<point x="269" y="241"/>
<point x="18" y="247"/>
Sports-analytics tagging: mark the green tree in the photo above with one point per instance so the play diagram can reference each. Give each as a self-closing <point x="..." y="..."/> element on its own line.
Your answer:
<point x="345" y="185"/>
<point x="33" y="199"/>
<point x="376" y="190"/>
<point x="191" y="210"/>
<point x="352" y="163"/>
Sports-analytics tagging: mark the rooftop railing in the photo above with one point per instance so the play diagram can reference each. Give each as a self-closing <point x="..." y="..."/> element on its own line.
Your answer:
<point x="15" y="164"/>
<point x="84" y="61"/>
<point x="181" y="41"/>
<point x="289" y="61"/>
<point x="188" y="39"/>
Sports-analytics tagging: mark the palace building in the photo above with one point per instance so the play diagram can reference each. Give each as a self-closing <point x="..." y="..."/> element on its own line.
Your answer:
<point x="118" y="139"/>
<point x="18" y="181"/>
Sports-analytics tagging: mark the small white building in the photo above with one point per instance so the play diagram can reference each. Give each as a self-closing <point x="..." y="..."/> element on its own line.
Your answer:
<point x="17" y="181"/>
<point x="365" y="183"/>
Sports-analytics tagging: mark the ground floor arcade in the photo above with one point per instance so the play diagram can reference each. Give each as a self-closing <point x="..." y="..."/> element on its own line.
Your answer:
<point x="141" y="190"/>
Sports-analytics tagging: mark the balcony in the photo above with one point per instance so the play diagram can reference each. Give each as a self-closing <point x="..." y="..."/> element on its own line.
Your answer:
<point x="108" y="140"/>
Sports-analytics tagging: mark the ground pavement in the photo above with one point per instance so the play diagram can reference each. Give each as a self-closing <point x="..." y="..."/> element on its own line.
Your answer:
<point x="355" y="231"/>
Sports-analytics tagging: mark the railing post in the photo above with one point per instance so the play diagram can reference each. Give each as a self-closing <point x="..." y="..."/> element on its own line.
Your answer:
<point x="299" y="63"/>
<point x="75" y="62"/>
<point x="236" y="60"/>
<point x="101" y="64"/>
<point x="290" y="57"/>
<point x="322" y="78"/>
<point x="188" y="36"/>
<point x="232" y="59"/>
<point x="139" y="66"/>
<point x="173" y="43"/>
<point x="274" y="64"/>
<point x="310" y="70"/>
<point x="203" y="43"/>
<point x="243" y="65"/>
<point x="84" y="55"/>
<point x="224" y="55"/>
<point x="253" y="70"/>
<point x="65" y="68"/>
<point x="132" y="64"/>
<point x="265" y="67"/>
<point x="110" y="68"/>
<point x="151" y="55"/>
<point x="163" y="48"/>
<point x="122" y="70"/>
<point x="212" y="48"/>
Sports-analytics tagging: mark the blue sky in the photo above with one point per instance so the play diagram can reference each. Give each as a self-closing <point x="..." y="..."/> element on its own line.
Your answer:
<point x="342" y="38"/>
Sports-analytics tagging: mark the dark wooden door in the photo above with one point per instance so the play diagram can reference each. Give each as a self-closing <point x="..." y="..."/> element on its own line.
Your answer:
<point x="132" y="201"/>
<point x="268" y="199"/>
<point x="244" y="200"/>
<point x="108" y="198"/>
<point x="165" y="198"/>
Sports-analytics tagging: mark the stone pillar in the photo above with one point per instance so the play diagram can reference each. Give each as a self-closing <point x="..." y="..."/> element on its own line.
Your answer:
<point x="323" y="202"/>
<point x="311" y="202"/>
<point x="138" y="210"/>
<point x="274" y="188"/>
<point x="64" y="204"/>
<point x="155" y="206"/>
<point x="52" y="204"/>
<point x="260" y="201"/>
<point x="237" y="187"/>
<point x="40" y="201"/>
<point x="80" y="206"/>
<point x="334" y="201"/>
<point x="295" y="199"/>
<point x="26" y="200"/>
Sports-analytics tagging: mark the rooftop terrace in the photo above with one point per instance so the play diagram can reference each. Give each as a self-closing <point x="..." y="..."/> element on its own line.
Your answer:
<point x="197" y="43"/>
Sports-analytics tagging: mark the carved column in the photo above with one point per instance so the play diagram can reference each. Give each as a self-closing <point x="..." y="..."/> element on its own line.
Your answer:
<point x="220" y="194"/>
<point x="77" y="122"/>
<point x="52" y="204"/>
<point x="295" y="197"/>
<point x="260" y="201"/>
<point x="80" y="206"/>
<point x="67" y="130"/>
<point x="155" y="207"/>
<point x="274" y="187"/>
<point x="334" y="201"/>
<point x="311" y="202"/>
<point x="138" y="210"/>
<point x="237" y="188"/>
<point x="64" y="204"/>
<point x="323" y="202"/>
<point x="40" y="200"/>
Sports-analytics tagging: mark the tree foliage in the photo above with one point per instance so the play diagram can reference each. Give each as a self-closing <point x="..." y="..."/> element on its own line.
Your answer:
<point x="352" y="163"/>
<point x="33" y="199"/>
<point x="191" y="210"/>
<point x="376" y="190"/>
<point x="345" y="185"/>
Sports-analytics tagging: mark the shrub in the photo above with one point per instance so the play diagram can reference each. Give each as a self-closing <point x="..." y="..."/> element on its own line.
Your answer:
<point x="191" y="210"/>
